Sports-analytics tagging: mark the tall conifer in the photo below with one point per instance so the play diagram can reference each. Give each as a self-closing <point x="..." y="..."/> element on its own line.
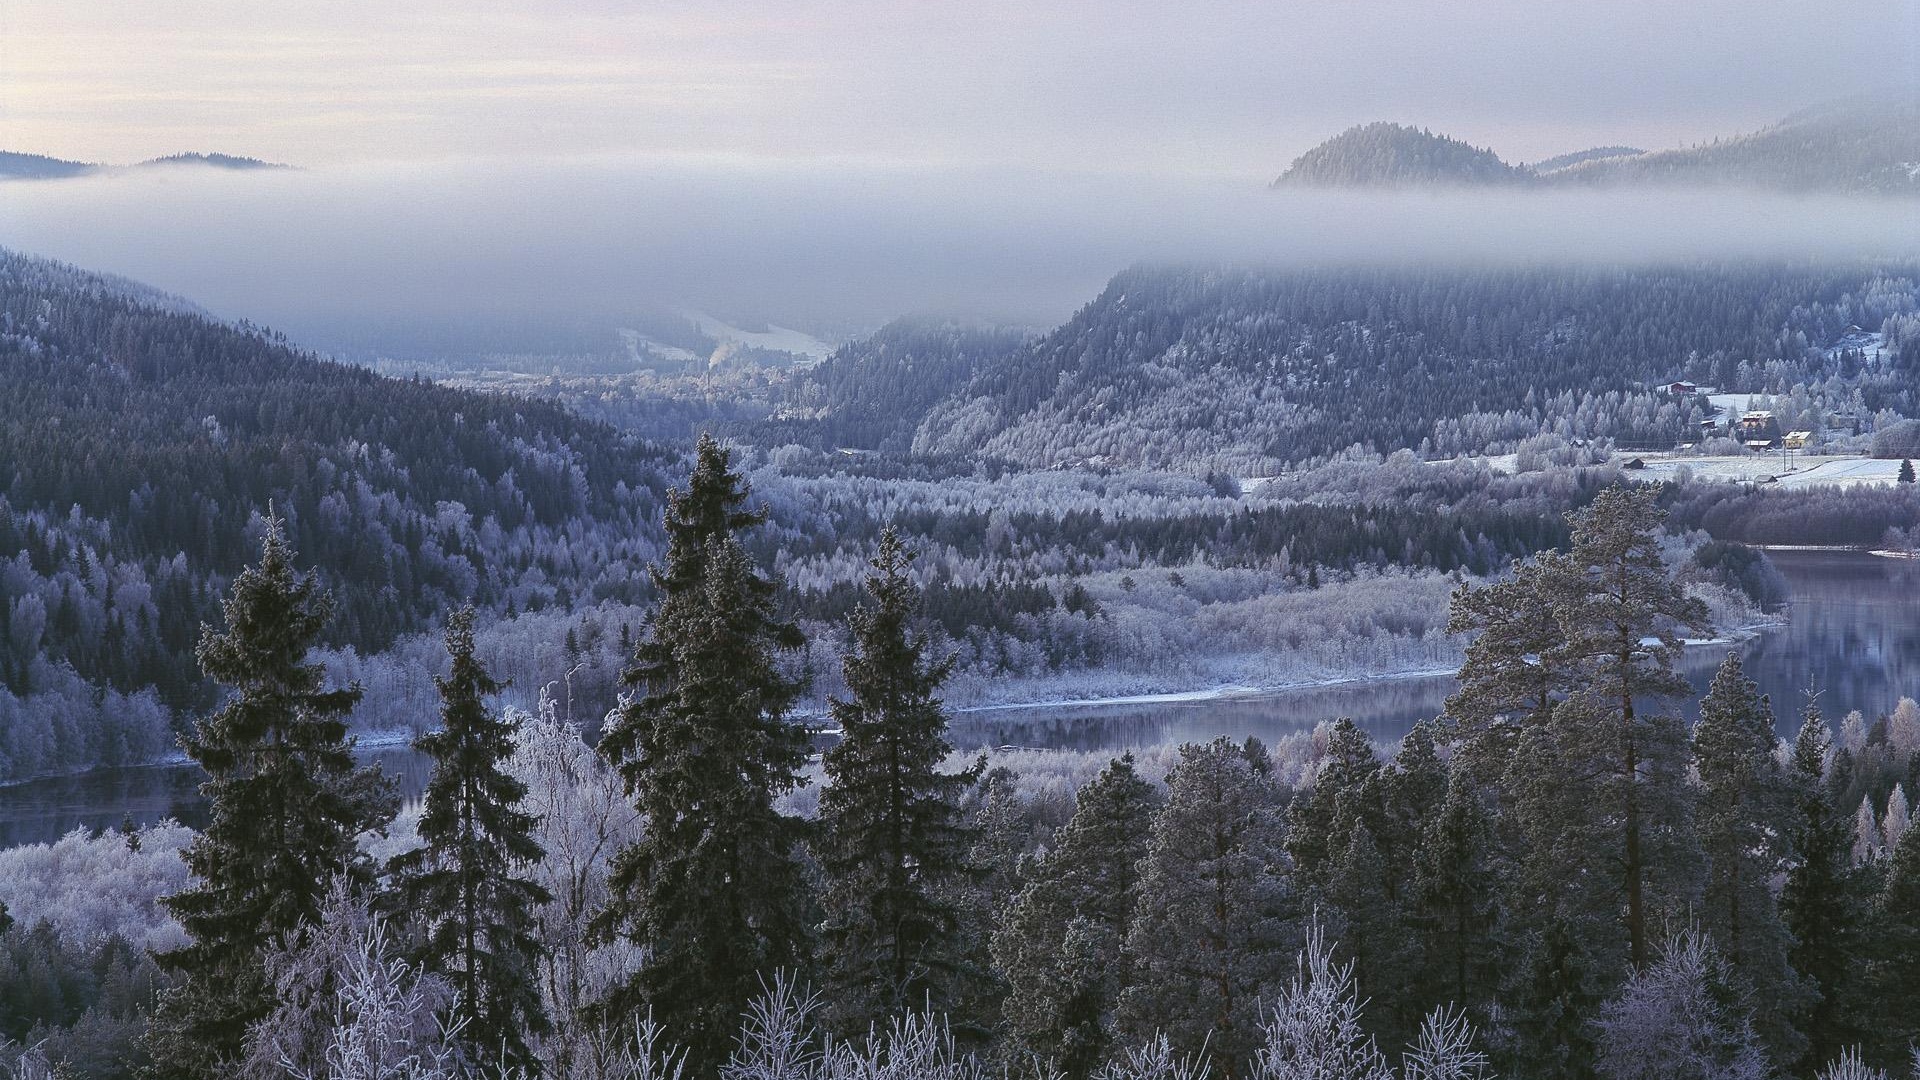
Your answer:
<point x="1822" y="902"/>
<point x="464" y="887"/>
<point x="890" y="837"/>
<point x="1744" y="821"/>
<point x="713" y="890"/>
<point x="1062" y="942"/>
<point x="287" y="802"/>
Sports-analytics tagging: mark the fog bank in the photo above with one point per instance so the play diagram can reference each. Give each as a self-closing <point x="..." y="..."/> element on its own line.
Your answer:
<point x="833" y="248"/>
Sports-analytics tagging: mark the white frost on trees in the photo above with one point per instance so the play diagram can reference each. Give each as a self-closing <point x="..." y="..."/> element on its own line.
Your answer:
<point x="1313" y="1031"/>
<point x="1673" y="1021"/>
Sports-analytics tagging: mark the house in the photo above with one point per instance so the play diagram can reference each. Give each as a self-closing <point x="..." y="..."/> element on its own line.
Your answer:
<point x="1681" y="389"/>
<point x="1759" y="426"/>
<point x="1797" y="440"/>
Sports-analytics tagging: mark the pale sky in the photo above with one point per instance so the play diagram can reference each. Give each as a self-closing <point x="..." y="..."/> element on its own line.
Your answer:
<point x="1111" y="86"/>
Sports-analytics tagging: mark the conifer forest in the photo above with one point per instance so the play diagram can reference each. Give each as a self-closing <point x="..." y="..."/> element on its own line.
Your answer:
<point x="1095" y="540"/>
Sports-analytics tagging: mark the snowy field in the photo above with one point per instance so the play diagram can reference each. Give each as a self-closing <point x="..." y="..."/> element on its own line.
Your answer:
<point x="1786" y="469"/>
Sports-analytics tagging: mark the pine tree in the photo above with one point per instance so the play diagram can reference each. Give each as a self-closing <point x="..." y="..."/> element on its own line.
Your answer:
<point x="1061" y="943"/>
<point x="1619" y="613"/>
<point x="286" y="801"/>
<point x="463" y="886"/>
<point x="1821" y="902"/>
<point x="1743" y="818"/>
<point x="713" y="889"/>
<point x="1505" y="683"/>
<point x="1210" y="928"/>
<point x="1906" y="471"/>
<point x="890" y="837"/>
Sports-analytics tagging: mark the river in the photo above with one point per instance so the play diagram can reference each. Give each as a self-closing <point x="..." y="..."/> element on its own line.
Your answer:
<point x="1854" y="635"/>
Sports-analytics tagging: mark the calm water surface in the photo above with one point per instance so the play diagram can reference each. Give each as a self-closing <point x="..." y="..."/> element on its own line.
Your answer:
<point x="1854" y="637"/>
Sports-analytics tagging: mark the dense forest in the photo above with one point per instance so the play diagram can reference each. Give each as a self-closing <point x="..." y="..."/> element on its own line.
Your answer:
<point x="1554" y="879"/>
<point x="144" y="443"/>
<point x="1248" y="371"/>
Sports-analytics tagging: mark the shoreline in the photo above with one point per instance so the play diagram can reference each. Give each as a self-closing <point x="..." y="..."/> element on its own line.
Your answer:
<point x="390" y="739"/>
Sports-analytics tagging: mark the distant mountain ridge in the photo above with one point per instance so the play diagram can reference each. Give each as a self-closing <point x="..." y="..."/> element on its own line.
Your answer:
<point x="1865" y="145"/>
<point x="19" y="166"/>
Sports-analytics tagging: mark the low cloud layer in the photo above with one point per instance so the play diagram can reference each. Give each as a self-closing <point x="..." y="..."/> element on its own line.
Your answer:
<point x="836" y="248"/>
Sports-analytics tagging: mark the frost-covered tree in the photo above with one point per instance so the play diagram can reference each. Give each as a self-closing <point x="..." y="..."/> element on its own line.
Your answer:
<point x="350" y="1006"/>
<point x="1744" y="820"/>
<point x="583" y="817"/>
<point x="713" y="890"/>
<point x="1684" y="1017"/>
<point x="466" y="889"/>
<point x="1061" y="944"/>
<point x="1313" y="1031"/>
<point x="1212" y="920"/>
<point x="287" y="801"/>
<point x="1445" y="1050"/>
<point x="890" y="838"/>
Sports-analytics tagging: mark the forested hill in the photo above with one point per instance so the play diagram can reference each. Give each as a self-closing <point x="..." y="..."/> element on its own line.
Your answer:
<point x="1245" y="369"/>
<point x="139" y="440"/>
<point x="1868" y="145"/>
<point x="873" y="392"/>
<point x="1394" y="155"/>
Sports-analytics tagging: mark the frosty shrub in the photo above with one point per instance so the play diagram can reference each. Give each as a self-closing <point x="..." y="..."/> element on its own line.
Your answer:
<point x="1683" y="1018"/>
<point x="1313" y="1031"/>
<point x="1156" y="1061"/>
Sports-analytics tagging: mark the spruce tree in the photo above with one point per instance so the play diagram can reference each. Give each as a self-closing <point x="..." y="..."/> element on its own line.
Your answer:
<point x="1456" y="908"/>
<point x="1893" y="957"/>
<point x="890" y="838"/>
<point x="1906" y="471"/>
<point x="713" y="890"/>
<point x="286" y="803"/>
<point x="1211" y="935"/>
<point x="1061" y="944"/>
<point x="1821" y="902"/>
<point x="1620" y="613"/>
<point x="1744" y="819"/>
<point x="465" y="887"/>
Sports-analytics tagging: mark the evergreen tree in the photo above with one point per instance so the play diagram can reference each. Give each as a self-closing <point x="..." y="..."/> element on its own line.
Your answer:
<point x="713" y="890"/>
<point x="1821" y="902"/>
<point x="1504" y="682"/>
<point x="1210" y="930"/>
<point x="1906" y="471"/>
<point x="1456" y="903"/>
<point x="890" y="837"/>
<point x="1346" y="790"/>
<point x="1744" y="819"/>
<point x="463" y="886"/>
<point x="286" y="804"/>
<point x="1893" y="958"/>
<point x="1620" y="612"/>
<point x="1061" y="943"/>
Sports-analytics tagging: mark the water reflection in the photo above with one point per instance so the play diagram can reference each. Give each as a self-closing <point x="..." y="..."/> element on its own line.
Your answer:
<point x="1855" y="636"/>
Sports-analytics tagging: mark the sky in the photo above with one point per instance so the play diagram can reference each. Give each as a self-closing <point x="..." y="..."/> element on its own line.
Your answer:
<point x="1174" y="87"/>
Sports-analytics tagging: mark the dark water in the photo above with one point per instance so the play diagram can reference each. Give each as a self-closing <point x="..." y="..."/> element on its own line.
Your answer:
<point x="1854" y="636"/>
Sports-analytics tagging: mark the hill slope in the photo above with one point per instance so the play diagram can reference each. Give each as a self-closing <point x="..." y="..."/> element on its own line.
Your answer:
<point x="1394" y="155"/>
<point x="139" y="440"/>
<point x="1248" y="370"/>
